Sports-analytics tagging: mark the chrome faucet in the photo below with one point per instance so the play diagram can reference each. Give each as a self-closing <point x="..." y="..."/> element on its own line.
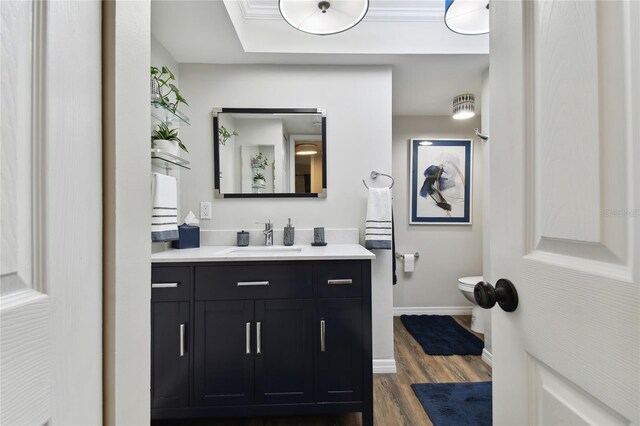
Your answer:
<point x="268" y="233"/>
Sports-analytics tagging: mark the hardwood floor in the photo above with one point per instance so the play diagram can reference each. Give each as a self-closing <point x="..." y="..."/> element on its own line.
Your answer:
<point x="394" y="400"/>
<point x="395" y="404"/>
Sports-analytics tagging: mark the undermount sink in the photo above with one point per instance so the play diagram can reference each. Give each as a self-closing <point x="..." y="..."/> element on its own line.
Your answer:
<point x="265" y="250"/>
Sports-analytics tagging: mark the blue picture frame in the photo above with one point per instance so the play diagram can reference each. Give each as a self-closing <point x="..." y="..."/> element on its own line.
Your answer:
<point x="441" y="176"/>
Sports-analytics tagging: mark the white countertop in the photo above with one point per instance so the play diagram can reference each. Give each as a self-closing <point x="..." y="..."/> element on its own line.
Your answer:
<point x="253" y="253"/>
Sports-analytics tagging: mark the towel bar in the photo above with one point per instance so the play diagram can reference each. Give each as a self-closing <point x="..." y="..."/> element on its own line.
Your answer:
<point x="401" y="256"/>
<point x="375" y="174"/>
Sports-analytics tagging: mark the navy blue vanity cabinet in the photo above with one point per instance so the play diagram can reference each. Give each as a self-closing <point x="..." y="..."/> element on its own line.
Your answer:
<point x="284" y="364"/>
<point x="170" y="349"/>
<point x="223" y="355"/>
<point x="340" y="371"/>
<point x="256" y="348"/>
<point x="277" y="338"/>
<point x="344" y="318"/>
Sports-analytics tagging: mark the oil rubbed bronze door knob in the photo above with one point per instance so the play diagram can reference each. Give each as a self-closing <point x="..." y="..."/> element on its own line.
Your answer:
<point x="505" y="294"/>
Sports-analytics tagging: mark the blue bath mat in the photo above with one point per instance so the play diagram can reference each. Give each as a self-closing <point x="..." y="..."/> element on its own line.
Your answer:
<point x="456" y="404"/>
<point x="442" y="335"/>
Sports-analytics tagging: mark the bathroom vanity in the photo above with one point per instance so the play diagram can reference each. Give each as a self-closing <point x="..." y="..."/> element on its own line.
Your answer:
<point x="253" y="331"/>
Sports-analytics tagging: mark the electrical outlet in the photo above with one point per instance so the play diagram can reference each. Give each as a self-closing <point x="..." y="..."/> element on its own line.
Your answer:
<point x="205" y="210"/>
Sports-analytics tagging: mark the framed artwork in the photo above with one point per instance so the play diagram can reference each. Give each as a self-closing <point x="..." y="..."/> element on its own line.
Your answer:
<point x="440" y="180"/>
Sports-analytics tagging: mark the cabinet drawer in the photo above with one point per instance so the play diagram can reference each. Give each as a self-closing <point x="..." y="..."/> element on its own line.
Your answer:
<point x="170" y="283"/>
<point x="253" y="281"/>
<point x="339" y="279"/>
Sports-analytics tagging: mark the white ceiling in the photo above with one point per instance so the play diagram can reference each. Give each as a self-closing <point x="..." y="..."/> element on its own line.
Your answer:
<point x="430" y="64"/>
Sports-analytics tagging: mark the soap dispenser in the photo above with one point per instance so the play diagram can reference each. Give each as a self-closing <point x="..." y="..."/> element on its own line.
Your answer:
<point x="289" y="232"/>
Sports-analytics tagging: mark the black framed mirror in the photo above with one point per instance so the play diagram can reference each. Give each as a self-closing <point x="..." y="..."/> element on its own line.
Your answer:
<point x="269" y="152"/>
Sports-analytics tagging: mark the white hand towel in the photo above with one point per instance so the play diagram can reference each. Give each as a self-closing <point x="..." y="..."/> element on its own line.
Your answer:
<point x="378" y="227"/>
<point x="164" y="218"/>
<point x="409" y="262"/>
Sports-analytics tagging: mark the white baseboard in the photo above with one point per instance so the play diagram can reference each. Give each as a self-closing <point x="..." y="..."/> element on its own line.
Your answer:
<point x="434" y="310"/>
<point x="384" y="366"/>
<point x="487" y="357"/>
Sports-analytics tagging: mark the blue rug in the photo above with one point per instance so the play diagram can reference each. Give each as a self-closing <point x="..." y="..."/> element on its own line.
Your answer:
<point x="456" y="404"/>
<point x="442" y="335"/>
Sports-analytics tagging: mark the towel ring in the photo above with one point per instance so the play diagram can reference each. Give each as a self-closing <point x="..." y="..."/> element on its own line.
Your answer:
<point x="375" y="174"/>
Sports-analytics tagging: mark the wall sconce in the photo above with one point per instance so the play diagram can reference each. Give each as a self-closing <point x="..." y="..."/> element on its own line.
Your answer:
<point x="306" y="149"/>
<point x="464" y="106"/>
<point x="323" y="17"/>
<point x="469" y="17"/>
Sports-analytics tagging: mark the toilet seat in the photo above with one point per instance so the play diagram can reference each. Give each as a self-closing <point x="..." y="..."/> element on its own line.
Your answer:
<point x="469" y="283"/>
<point x="466" y="285"/>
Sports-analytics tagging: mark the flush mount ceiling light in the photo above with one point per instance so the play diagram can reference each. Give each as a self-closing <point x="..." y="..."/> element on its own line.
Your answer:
<point x="470" y="17"/>
<point x="323" y="17"/>
<point x="306" y="149"/>
<point x="464" y="106"/>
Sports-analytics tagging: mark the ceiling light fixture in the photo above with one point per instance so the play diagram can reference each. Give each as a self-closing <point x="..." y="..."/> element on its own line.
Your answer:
<point x="323" y="17"/>
<point x="306" y="149"/>
<point x="464" y="106"/>
<point x="469" y="17"/>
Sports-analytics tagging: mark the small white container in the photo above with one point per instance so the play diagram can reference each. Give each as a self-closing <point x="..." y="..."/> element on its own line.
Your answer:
<point x="170" y="147"/>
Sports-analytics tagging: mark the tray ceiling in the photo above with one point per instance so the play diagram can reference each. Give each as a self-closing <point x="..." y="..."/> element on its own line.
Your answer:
<point x="379" y="10"/>
<point x="423" y="84"/>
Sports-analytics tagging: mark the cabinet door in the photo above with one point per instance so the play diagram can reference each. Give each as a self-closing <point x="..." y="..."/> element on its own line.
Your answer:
<point x="169" y="354"/>
<point x="223" y="366"/>
<point x="340" y="352"/>
<point x="284" y="353"/>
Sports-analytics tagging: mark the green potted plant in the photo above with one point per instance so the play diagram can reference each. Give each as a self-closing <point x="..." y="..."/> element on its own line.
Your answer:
<point x="259" y="161"/>
<point x="162" y="88"/>
<point x="224" y="135"/>
<point x="167" y="140"/>
<point x="258" y="179"/>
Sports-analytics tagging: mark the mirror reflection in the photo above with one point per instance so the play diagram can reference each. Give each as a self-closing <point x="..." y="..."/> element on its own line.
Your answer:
<point x="269" y="152"/>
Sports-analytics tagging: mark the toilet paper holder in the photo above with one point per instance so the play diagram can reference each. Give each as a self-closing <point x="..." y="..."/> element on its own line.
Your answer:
<point x="401" y="256"/>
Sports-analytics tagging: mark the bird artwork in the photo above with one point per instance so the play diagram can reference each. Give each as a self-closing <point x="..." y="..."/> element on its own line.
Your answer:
<point x="438" y="181"/>
<point x="441" y="186"/>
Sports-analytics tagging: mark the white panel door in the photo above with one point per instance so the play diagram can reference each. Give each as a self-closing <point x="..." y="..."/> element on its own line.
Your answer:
<point x="25" y="347"/>
<point x="51" y="213"/>
<point x="565" y="190"/>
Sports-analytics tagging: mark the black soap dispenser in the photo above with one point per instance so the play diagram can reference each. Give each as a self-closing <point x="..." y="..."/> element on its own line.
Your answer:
<point x="289" y="233"/>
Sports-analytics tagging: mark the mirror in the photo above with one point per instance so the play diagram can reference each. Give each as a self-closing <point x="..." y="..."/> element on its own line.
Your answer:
<point x="263" y="152"/>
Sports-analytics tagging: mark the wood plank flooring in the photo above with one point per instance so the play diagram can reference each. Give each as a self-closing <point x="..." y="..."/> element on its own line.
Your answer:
<point x="394" y="400"/>
<point x="395" y="404"/>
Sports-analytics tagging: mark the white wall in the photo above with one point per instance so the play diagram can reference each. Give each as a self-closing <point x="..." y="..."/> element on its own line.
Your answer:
<point x="257" y="136"/>
<point x="160" y="57"/>
<point x="446" y="252"/>
<point x="358" y="104"/>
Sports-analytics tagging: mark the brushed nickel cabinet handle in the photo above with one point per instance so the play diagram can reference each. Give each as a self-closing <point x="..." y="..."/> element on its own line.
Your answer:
<point x="340" y="281"/>
<point x="322" y="336"/>
<point x="164" y="285"/>
<point x="248" y="338"/>
<point x="252" y="283"/>
<point x="258" y="337"/>
<point x="182" y="349"/>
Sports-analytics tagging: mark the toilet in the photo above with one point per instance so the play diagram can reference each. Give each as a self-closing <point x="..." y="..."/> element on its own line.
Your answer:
<point x="466" y="285"/>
